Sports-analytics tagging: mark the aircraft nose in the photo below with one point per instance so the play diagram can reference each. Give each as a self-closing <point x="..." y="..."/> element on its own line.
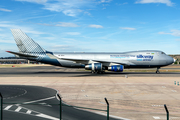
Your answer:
<point x="174" y="60"/>
<point x="170" y="60"/>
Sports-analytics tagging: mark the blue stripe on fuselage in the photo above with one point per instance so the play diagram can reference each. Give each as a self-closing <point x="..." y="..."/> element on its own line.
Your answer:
<point x="48" y="60"/>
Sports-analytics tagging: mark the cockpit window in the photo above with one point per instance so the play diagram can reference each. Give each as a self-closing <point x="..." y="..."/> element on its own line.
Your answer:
<point x="162" y="53"/>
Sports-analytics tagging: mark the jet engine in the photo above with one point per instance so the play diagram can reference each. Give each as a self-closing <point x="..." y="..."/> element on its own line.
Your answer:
<point x="96" y="67"/>
<point x="116" y="68"/>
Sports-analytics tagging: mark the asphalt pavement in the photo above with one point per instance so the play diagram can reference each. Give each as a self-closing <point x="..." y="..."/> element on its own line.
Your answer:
<point x="54" y="71"/>
<point x="39" y="103"/>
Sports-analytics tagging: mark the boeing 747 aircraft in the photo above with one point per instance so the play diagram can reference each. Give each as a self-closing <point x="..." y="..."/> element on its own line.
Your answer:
<point x="96" y="62"/>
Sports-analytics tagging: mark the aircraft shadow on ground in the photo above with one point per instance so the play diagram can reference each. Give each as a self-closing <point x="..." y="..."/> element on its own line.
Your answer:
<point x="68" y="73"/>
<point x="89" y="73"/>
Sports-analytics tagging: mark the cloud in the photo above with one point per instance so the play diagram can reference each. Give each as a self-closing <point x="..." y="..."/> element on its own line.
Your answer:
<point x="65" y="8"/>
<point x="60" y="24"/>
<point x="68" y="7"/>
<point x="34" y="32"/>
<point x="66" y="24"/>
<point x="6" y="41"/>
<point x="95" y="26"/>
<point x="28" y="18"/>
<point x="105" y="1"/>
<point x="10" y="25"/>
<point x="34" y="1"/>
<point x="87" y="13"/>
<point x="127" y="28"/>
<point x="71" y="12"/>
<point x="5" y="10"/>
<point x="73" y="33"/>
<point x="167" y="2"/>
<point x="122" y="3"/>
<point x="67" y="48"/>
<point x="173" y="32"/>
<point x="163" y="33"/>
<point x="62" y="46"/>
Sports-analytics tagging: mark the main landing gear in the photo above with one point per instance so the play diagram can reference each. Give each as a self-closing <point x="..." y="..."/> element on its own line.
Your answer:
<point x="97" y="72"/>
<point x="157" y="71"/>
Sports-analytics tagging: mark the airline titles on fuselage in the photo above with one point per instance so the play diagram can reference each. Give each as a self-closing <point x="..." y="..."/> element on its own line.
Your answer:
<point x="138" y="57"/>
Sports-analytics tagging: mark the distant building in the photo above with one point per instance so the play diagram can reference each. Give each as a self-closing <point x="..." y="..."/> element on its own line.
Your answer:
<point x="177" y="57"/>
<point x="15" y="60"/>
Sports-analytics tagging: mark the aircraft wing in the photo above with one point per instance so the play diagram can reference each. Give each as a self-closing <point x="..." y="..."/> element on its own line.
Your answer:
<point x="82" y="61"/>
<point x="74" y="60"/>
<point x="22" y="55"/>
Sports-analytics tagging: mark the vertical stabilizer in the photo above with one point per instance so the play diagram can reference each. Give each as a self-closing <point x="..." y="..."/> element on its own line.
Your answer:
<point x="31" y="50"/>
<point x="25" y="43"/>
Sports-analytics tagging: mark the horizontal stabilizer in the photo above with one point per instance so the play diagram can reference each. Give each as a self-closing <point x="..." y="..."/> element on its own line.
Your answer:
<point x="22" y="55"/>
<point x="51" y="56"/>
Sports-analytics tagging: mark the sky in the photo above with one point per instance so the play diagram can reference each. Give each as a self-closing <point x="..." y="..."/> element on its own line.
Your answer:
<point x="92" y="25"/>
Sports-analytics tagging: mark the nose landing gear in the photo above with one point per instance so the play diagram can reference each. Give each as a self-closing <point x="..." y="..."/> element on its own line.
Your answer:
<point x="157" y="71"/>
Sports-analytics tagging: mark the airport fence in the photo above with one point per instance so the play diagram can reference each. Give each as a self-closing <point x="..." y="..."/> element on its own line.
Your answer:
<point x="60" y="106"/>
<point x="167" y="112"/>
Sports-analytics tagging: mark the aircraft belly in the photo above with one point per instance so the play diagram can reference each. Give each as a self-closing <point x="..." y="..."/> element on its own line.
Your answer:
<point x="143" y="64"/>
<point x="50" y="61"/>
<point x="66" y="63"/>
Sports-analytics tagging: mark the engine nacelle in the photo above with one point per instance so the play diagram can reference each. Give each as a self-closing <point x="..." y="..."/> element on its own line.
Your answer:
<point x="116" y="68"/>
<point x="94" y="67"/>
